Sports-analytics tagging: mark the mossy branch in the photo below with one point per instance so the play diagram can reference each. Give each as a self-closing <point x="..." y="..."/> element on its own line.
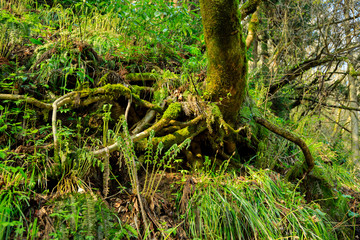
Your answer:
<point x="110" y="91"/>
<point x="253" y="25"/>
<point x="27" y="99"/>
<point x="248" y="8"/>
<point x="309" y="160"/>
<point x="176" y="137"/>
<point x="171" y="113"/>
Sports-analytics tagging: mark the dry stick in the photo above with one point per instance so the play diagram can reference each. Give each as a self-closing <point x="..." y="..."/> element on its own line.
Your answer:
<point x="143" y="214"/>
<point x="291" y="137"/>
<point x="147" y="119"/>
<point x="127" y="109"/>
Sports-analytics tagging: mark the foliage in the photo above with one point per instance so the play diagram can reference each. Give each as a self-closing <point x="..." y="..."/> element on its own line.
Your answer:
<point x="159" y="164"/>
<point x="14" y="197"/>
<point x="85" y="216"/>
<point x="50" y="48"/>
<point x="229" y="207"/>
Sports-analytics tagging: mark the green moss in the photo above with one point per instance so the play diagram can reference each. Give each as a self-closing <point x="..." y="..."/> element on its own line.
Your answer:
<point x="136" y="89"/>
<point x="173" y="111"/>
<point x="215" y="110"/>
<point x="176" y="137"/>
<point x="114" y="91"/>
<point x="116" y="88"/>
<point x="103" y="79"/>
<point x="226" y="49"/>
<point x="169" y="139"/>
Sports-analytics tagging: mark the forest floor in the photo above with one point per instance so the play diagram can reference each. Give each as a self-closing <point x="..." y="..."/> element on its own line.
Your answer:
<point x="68" y="192"/>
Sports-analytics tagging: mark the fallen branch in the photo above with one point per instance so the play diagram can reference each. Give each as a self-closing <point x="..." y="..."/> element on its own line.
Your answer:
<point x="140" y="126"/>
<point x="309" y="160"/>
<point x="109" y="91"/>
<point x="171" y="113"/>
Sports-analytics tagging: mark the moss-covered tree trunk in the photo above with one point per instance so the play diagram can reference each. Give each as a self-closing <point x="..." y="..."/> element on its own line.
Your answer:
<point x="226" y="51"/>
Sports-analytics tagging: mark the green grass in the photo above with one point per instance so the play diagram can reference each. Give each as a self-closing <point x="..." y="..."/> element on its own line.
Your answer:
<point x="260" y="206"/>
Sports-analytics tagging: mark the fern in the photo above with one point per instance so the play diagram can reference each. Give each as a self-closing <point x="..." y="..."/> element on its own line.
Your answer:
<point x="159" y="166"/>
<point x="90" y="215"/>
<point x="85" y="216"/>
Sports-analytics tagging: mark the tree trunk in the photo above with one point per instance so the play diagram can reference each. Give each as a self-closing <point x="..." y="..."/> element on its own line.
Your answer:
<point x="354" y="121"/>
<point x="226" y="52"/>
<point x="352" y="94"/>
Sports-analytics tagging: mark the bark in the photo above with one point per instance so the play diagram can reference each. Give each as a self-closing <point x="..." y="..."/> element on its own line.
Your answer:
<point x="352" y="93"/>
<point x="226" y="50"/>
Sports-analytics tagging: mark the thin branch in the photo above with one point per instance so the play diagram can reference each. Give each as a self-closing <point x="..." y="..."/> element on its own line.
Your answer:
<point x="341" y="126"/>
<point x="298" y="70"/>
<point x="318" y="26"/>
<point x="331" y="105"/>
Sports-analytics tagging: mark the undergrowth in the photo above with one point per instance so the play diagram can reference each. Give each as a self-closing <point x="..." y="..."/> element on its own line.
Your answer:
<point x="258" y="206"/>
<point x="47" y="50"/>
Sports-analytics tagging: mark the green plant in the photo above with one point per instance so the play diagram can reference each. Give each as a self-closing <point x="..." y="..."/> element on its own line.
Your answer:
<point x="74" y="164"/>
<point x="106" y="119"/>
<point x="159" y="164"/>
<point x="14" y="197"/>
<point x="85" y="216"/>
<point x="260" y="206"/>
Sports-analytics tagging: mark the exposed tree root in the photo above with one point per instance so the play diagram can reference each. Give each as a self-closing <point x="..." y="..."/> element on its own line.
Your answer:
<point x="168" y="129"/>
<point x="27" y="99"/>
<point x="309" y="160"/>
